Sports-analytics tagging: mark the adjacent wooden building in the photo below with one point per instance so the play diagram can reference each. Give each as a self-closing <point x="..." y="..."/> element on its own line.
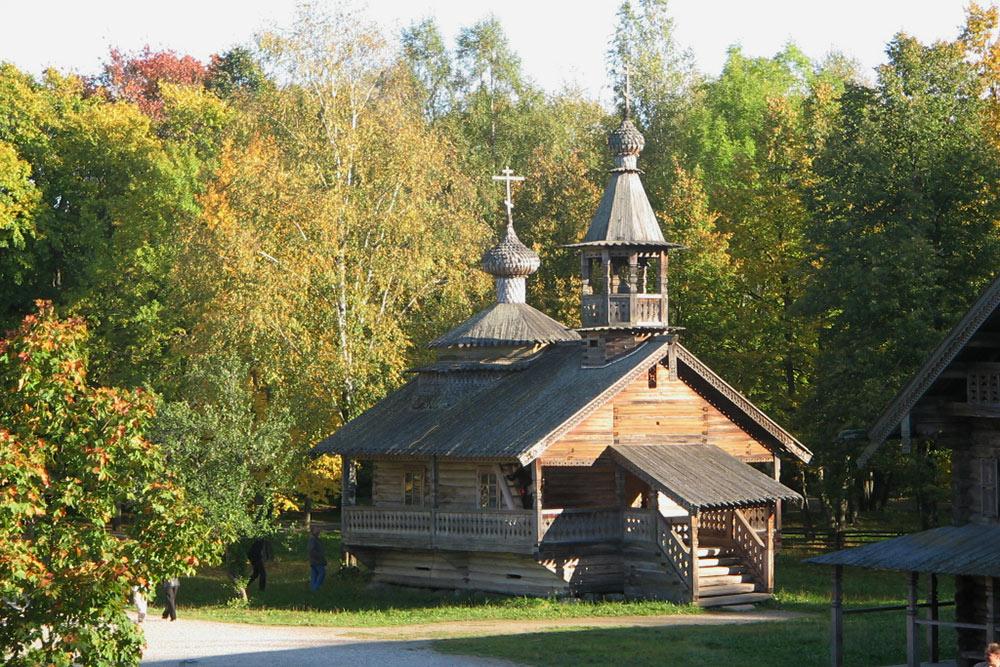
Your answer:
<point x="953" y="401"/>
<point x="534" y="459"/>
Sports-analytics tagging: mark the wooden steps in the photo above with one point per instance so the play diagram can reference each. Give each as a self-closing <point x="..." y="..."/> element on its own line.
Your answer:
<point x="723" y="579"/>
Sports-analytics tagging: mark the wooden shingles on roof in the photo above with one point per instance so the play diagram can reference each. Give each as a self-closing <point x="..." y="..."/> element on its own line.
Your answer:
<point x="516" y="416"/>
<point x="960" y="550"/>
<point x="700" y="477"/>
<point x="506" y="324"/>
<point x="931" y="370"/>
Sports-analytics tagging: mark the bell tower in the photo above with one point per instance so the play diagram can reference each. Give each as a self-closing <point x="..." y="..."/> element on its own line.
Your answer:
<point x="623" y="258"/>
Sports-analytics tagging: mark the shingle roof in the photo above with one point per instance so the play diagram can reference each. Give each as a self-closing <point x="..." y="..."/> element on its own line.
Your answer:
<point x="625" y="216"/>
<point x="701" y="476"/>
<point x="961" y="550"/>
<point x="523" y="412"/>
<point x="506" y="324"/>
<point x="936" y="363"/>
<point x="512" y="417"/>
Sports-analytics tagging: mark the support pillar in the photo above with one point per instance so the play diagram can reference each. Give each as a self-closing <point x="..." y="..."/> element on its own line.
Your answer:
<point x="933" y="646"/>
<point x="536" y="481"/>
<point x="837" y="617"/>
<point x="912" y="632"/>
<point x="991" y="610"/>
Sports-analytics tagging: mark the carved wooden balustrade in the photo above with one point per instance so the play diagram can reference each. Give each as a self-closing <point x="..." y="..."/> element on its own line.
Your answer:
<point x="581" y="525"/>
<point x="624" y="309"/>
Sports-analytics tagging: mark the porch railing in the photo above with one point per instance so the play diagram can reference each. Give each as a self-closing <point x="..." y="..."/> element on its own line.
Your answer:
<point x="581" y="525"/>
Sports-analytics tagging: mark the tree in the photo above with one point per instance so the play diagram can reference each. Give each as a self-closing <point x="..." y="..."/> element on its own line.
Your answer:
<point x="136" y="78"/>
<point x="72" y="456"/>
<point x="428" y="58"/>
<point x="235" y="72"/>
<point x="904" y="229"/>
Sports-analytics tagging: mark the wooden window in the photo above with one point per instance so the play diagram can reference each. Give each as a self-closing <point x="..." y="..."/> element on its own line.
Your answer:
<point x="489" y="489"/>
<point x="988" y="496"/>
<point x="413" y="487"/>
<point x="651" y="377"/>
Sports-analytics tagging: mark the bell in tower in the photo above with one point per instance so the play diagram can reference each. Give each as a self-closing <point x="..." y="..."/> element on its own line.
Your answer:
<point x="623" y="259"/>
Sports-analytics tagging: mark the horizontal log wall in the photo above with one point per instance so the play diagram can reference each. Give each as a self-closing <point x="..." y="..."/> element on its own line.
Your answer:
<point x="500" y="573"/>
<point x="458" y="484"/>
<point x="668" y="413"/>
<point x="387" y="481"/>
<point x="578" y="486"/>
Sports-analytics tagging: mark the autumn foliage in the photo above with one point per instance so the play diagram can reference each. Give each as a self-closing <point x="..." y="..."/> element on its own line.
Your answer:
<point x="72" y="458"/>
<point x="136" y="78"/>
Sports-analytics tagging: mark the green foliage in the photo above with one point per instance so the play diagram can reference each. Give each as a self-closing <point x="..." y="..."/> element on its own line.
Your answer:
<point x="72" y="457"/>
<point x="230" y="452"/>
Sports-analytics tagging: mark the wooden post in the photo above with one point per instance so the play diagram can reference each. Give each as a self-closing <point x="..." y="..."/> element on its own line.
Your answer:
<point x="991" y="610"/>
<point x="620" y="500"/>
<point x="536" y="480"/>
<point x="933" y="648"/>
<point x="606" y="267"/>
<point x="585" y="274"/>
<point x="769" y="574"/>
<point x="776" y="475"/>
<point x="693" y="528"/>
<point x="633" y="293"/>
<point x="661" y="285"/>
<point x="348" y="498"/>
<point x="837" y="618"/>
<point x="434" y="500"/>
<point x="912" y="633"/>
<point x="672" y="361"/>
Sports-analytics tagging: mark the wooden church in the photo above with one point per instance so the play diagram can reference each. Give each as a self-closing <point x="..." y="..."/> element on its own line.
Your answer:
<point x="533" y="459"/>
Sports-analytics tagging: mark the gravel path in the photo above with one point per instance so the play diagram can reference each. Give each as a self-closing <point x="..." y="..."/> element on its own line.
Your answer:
<point x="203" y="643"/>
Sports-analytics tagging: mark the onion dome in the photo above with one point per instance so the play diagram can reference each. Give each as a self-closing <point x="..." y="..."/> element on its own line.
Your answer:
<point x="626" y="142"/>
<point x="510" y="258"/>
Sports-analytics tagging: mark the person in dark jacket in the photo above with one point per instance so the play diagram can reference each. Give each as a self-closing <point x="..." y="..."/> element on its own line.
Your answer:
<point x="170" y="593"/>
<point x="317" y="561"/>
<point x="259" y="552"/>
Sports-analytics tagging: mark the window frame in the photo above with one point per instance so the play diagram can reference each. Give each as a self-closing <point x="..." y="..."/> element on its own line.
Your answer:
<point x="481" y="486"/>
<point x="407" y="497"/>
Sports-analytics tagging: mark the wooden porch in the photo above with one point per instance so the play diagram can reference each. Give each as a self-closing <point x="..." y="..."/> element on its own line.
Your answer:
<point x="715" y="553"/>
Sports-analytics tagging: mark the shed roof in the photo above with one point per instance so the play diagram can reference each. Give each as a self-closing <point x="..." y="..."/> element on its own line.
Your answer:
<point x="962" y="550"/>
<point x="701" y="477"/>
<point x="521" y="413"/>
<point x="506" y="324"/>
<point x="931" y="370"/>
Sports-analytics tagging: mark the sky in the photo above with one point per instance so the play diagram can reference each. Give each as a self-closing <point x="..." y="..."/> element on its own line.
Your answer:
<point x="560" y="42"/>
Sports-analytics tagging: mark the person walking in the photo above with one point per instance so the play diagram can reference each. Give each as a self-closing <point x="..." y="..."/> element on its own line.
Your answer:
<point x="317" y="560"/>
<point x="259" y="552"/>
<point x="139" y="598"/>
<point x="170" y="593"/>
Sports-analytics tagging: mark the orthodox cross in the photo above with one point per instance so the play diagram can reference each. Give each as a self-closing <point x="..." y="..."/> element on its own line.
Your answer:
<point x="508" y="176"/>
<point x="627" y="94"/>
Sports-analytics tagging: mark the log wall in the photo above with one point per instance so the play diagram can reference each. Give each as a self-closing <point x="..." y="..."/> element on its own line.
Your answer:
<point x="668" y="413"/>
<point x="457" y="483"/>
<point x="579" y="486"/>
<point x="502" y="573"/>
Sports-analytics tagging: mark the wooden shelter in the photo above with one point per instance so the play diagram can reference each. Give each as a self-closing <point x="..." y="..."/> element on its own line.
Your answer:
<point x="533" y="459"/>
<point x="953" y="401"/>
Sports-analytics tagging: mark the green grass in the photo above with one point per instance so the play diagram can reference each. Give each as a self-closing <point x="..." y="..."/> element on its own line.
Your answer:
<point x="343" y="601"/>
<point x="870" y="639"/>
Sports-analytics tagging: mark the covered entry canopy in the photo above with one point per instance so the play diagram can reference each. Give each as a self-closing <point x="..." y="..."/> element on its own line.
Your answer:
<point x="961" y="550"/>
<point x="699" y="477"/>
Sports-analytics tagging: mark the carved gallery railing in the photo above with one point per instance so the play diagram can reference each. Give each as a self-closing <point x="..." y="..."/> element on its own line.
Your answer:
<point x="502" y="529"/>
<point x="624" y="309"/>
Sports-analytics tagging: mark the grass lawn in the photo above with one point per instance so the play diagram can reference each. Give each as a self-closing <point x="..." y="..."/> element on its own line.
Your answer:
<point x="870" y="639"/>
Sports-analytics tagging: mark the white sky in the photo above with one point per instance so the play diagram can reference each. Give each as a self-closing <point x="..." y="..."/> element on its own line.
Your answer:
<point x="559" y="41"/>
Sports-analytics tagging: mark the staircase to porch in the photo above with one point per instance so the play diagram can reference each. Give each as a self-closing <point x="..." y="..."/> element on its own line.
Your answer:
<point x="723" y="579"/>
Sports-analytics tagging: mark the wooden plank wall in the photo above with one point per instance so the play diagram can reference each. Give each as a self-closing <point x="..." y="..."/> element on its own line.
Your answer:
<point x="974" y="477"/>
<point x="669" y="413"/>
<point x="387" y="481"/>
<point x="579" y="486"/>
<point x="501" y="573"/>
<point x="458" y="483"/>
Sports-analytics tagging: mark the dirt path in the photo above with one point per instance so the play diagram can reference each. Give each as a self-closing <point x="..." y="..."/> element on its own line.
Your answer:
<point x="222" y="644"/>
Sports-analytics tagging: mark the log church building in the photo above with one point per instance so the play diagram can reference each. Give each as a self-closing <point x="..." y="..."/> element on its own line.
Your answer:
<point x="534" y="459"/>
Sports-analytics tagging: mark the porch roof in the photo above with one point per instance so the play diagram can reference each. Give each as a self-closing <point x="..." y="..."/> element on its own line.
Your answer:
<point x="962" y="550"/>
<point x="701" y="476"/>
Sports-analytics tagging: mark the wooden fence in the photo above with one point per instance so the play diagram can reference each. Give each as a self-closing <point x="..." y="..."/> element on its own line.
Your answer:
<point x="831" y="540"/>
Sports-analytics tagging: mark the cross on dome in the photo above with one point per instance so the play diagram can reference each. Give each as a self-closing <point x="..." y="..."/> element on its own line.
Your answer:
<point x="508" y="176"/>
<point x="627" y="93"/>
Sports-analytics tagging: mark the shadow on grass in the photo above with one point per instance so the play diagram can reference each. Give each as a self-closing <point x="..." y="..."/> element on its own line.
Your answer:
<point x="793" y="643"/>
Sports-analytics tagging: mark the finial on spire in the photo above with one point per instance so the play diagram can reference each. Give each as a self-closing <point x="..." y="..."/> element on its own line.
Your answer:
<point x="508" y="176"/>
<point x="628" y="91"/>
